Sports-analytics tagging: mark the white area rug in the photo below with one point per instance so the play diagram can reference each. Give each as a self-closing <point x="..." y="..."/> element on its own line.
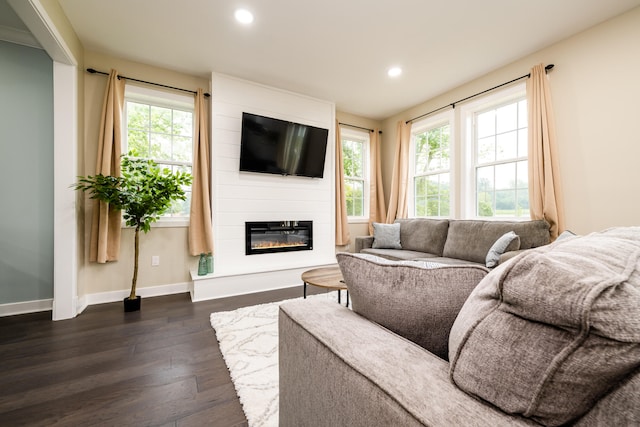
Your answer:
<point x="248" y="340"/>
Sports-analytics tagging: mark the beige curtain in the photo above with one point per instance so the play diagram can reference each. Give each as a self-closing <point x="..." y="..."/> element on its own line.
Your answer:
<point x="545" y="194"/>
<point x="105" y="225"/>
<point x="342" y="225"/>
<point x="377" y="208"/>
<point x="200" y="226"/>
<point x="398" y="207"/>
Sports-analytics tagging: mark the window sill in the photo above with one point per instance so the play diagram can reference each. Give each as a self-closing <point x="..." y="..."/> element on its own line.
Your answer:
<point x="358" y="220"/>
<point x="166" y="223"/>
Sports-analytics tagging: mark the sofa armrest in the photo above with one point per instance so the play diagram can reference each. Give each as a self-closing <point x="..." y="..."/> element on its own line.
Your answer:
<point x="363" y="242"/>
<point x="338" y="369"/>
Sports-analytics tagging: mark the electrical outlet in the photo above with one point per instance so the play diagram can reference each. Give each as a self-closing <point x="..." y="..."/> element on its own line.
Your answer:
<point x="155" y="260"/>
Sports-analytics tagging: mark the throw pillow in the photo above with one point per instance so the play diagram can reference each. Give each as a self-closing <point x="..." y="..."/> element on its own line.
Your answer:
<point x="386" y="236"/>
<point x="414" y="301"/>
<point x="500" y="246"/>
<point x="423" y="234"/>
<point x="548" y="334"/>
<point x="565" y="235"/>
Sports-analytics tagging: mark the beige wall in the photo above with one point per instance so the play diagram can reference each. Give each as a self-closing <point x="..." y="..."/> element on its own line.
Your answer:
<point x="168" y="243"/>
<point x="356" y="228"/>
<point x="595" y="94"/>
<point x="63" y="26"/>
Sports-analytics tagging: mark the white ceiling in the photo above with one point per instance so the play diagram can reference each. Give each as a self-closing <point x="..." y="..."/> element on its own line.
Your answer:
<point x="338" y="50"/>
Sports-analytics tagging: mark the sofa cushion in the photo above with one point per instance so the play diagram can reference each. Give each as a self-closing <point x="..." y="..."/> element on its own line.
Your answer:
<point x="450" y="261"/>
<point x="423" y="234"/>
<point x="426" y="262"/>
<point x="621" y="407"/>
<point x="416" y="302"/>
<point x="550" y="332"/>
<point x="472" y="239"/>
<point x="396" y="254"/>
<point x="507" y="242"/>
<point x="386" y="236"/>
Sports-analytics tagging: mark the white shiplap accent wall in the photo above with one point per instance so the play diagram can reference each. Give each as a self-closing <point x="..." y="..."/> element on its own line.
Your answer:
<point x="239" y="197"/>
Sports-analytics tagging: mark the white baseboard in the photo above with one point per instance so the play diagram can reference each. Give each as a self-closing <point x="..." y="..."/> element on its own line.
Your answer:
<point x="214" y="287"/>
<point x="90" y="299"/>
<point x="14" y="308"/>
<point x="146" y="292"/>
<point x="81" y="304"/>
<point x="202" y="288"/>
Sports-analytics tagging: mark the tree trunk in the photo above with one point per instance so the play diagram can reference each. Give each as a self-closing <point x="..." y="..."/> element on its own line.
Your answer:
<point x="135" y="264"/>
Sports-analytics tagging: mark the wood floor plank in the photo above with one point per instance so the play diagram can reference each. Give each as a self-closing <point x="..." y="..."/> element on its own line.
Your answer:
<point x="24" y="379"/>
<point x="228" y="414"/>
<point x="87" y="381"/>
<point x="127" y="399"/>
<point x="158" y="367"/>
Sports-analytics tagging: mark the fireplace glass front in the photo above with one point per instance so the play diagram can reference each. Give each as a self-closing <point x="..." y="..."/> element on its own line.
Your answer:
<point x="278" y="236"/>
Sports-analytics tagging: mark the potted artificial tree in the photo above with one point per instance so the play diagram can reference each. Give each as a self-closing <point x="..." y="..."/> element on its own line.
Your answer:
<point x="143" y="193"/>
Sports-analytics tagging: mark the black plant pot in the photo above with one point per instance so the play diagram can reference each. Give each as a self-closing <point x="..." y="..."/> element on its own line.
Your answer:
<point x="132" y="304"/>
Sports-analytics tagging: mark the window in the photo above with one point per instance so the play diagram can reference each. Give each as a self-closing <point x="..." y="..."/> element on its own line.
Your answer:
<point x="431" y="168"/>
<point x="159" y="126"/>
<point x="500" y="167"/>
<point x="471" y="161"/>
<point x="355" y="154"/>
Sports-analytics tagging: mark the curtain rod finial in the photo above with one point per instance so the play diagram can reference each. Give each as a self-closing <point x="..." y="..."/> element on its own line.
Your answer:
<point x="549" y="67"/>
<point x="91" y="70"/>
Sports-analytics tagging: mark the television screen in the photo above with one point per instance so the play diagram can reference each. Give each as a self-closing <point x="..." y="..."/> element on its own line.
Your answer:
<point x="280" y="147"/>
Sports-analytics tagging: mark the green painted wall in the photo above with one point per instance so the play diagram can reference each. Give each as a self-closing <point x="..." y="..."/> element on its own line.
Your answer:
<point x="26" y="174"/>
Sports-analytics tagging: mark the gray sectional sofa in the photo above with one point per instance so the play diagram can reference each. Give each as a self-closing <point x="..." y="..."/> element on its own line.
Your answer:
<point x="550" y="337"/>
<point x="456" y="242"/>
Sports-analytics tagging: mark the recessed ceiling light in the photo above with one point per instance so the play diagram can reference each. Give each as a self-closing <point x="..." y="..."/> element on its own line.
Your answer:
<point x="243" y="16"/>
<point x="394" y="71"/>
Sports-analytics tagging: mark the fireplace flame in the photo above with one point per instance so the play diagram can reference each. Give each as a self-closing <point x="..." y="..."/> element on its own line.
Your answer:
<point x="274" y="244"/>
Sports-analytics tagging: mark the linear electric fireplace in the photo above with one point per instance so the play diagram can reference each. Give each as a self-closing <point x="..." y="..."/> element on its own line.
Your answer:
<point x="278" y="236"/>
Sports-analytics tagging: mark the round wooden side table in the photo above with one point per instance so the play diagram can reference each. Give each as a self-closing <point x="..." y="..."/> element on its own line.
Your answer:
<point x="325" y="277"/>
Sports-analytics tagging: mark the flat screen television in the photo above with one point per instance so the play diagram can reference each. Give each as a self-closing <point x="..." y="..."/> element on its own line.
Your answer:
<point x="269" y="145"/>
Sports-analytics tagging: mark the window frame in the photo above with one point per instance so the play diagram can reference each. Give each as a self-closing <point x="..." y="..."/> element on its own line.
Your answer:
<point x="419" y="127"/>
<point x="164" y="99"/>
<point x="468" y="190"/>
<point x="365" y="138"/>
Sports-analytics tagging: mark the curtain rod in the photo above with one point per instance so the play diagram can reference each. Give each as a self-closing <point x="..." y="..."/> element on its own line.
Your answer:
<point x="94" y="71"/>
<point x="358" y="127"/>
<point x="453" y="104"/>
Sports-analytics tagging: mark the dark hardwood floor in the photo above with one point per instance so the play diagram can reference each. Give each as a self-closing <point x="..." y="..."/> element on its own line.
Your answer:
<point x="158" y="367"/>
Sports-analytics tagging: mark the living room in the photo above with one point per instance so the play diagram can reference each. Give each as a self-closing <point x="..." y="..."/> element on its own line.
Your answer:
<point x="593" y="85"/>
<point x="589" y="65"/>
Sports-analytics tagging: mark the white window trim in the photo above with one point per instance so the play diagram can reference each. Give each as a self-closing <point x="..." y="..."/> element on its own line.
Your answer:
<point x="366" y="139"/>
<point x="467" y="111"/>
<point x="169" y="99"/>
<point x="162" y="98"/>
<point x="167" y="222"/>
<point x="420" y="127"/>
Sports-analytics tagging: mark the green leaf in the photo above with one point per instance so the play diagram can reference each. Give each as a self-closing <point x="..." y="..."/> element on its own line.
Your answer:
<point x="144" y="191"/>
